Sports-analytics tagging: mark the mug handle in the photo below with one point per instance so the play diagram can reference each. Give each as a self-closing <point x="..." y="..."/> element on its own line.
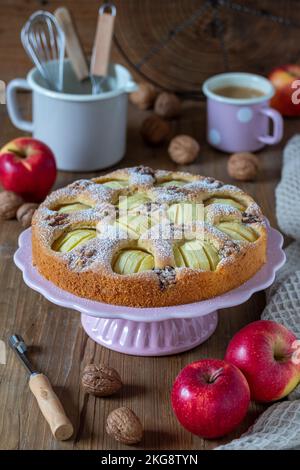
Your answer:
<point x="13" y="107"/>
<point x="277" y="120"/>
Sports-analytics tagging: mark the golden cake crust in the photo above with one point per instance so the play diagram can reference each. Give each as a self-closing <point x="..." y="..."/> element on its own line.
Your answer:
<point x="87" y="270"/>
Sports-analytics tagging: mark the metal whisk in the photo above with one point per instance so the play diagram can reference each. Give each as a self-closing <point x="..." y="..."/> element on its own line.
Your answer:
<point x="44" y="41"/>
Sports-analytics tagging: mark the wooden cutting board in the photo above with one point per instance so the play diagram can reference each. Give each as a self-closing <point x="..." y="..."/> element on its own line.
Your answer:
<point x="178" y="44"/>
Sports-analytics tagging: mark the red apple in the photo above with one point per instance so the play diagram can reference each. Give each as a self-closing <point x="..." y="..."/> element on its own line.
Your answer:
<point x="28" y="168"/>
<point x="282" y="79"/>
<point x="210" y="397"/>
<point x="263" y="351"/>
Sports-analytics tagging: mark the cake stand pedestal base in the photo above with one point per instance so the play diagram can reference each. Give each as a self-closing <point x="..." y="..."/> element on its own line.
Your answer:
<point x="158" y="338"/>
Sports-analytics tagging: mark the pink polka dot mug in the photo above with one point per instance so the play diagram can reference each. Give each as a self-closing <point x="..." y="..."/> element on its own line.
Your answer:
<point x="241" y="124"/>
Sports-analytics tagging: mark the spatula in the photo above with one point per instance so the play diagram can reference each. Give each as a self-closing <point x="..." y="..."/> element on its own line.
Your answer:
<point x="102" y="45"/>
<point x="48" y="402"/>
<point x="73" y="45"/>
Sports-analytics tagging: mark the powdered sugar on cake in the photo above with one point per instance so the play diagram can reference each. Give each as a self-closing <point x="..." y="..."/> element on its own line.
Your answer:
<point x="98" y="253"/>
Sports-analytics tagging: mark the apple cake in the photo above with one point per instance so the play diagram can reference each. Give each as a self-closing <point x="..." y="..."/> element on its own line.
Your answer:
<point x="148" y="238"/>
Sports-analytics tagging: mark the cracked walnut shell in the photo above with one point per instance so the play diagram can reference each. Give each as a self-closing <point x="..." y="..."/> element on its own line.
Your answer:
<point x="100" y="381"/>
<point x="183" y="149"/>
<point x="124" y="426"/>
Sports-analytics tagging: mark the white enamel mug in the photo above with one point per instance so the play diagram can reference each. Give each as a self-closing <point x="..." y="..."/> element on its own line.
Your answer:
<point x="86" y="132"/>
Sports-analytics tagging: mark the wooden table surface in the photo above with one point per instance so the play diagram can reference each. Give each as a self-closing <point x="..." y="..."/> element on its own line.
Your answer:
<point x="58" y="345"/>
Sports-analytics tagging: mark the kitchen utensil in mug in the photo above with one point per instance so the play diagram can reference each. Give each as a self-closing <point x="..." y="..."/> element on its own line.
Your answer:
<point x="237" y="125"/>
<point x="86" y="132"/>
<point x="48" y="402"/>
<point x="73" y="45"/>
<point x="102" y="45"/>
<point x="44" y="42"/>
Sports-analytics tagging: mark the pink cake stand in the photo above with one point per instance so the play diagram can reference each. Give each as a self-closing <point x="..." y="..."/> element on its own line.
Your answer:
<point x="150" y="331"/>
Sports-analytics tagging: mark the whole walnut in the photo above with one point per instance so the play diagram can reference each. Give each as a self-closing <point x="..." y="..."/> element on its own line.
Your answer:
<point x="167" y="105"/>
<point x="25" y="213"/>
<point x="243" y="166"/>
<point x="183" y="149"/>
<point x="124" y="426"/>
<point x="155" y="130"/>
<point x="145" y="96"/>
<point x="100" y="381"/>
<point x="9" y="204"/>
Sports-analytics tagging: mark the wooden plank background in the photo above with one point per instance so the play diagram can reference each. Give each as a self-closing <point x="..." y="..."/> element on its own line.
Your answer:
<point x="58" y="345"/>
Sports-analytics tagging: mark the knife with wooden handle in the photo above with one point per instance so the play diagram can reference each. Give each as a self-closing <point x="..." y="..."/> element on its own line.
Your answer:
<point x="49" y="404"/>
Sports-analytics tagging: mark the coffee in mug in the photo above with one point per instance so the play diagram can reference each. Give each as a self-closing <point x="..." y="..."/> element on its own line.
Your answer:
<point x="239" y="113"/>
<point x="238" y="92"/>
